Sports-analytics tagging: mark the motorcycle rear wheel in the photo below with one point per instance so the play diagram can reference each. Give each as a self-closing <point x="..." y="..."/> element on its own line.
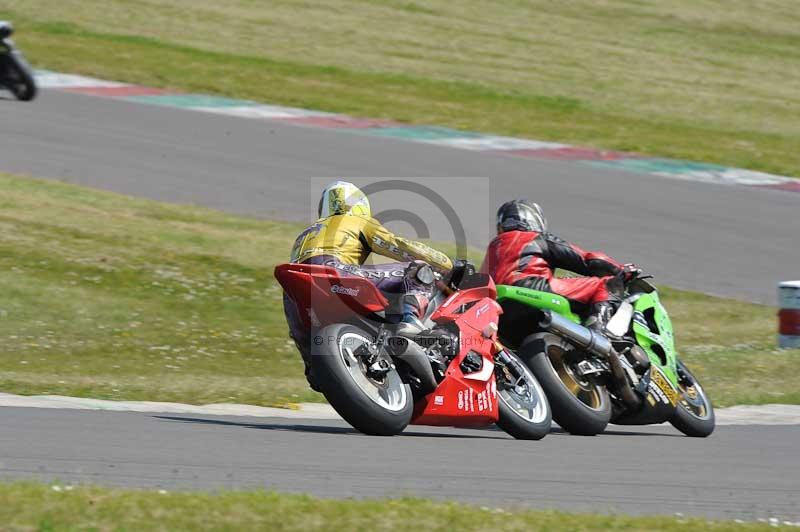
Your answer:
<point x="376" y="406"/>
<point x="694" y="415"/>
<point x="579" y="406"/>
<point x="524" y="410"/>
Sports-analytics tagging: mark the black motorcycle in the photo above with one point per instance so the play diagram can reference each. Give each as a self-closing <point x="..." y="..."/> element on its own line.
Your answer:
<point x="16" y="74"/>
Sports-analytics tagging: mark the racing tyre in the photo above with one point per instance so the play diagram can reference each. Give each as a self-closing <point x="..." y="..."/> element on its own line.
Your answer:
<point x="524" y="410"/>
<point x="19" y="79"/>
<point x="378" y="404"/>
<point x="694" y="415"/>
<point x="579" y="406"/>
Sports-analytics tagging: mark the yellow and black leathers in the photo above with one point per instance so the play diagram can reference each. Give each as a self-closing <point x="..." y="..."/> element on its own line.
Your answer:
<point x="351" y="238"/>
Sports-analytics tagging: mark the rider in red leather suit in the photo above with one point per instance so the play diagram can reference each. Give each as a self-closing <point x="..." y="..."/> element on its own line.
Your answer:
<point x="525" y="254"/>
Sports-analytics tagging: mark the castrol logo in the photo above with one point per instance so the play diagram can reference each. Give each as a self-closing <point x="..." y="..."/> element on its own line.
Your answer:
<point x="339" y="289"/>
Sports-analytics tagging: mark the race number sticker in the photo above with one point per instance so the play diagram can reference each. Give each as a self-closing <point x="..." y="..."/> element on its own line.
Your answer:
<point x="468" y="401"/>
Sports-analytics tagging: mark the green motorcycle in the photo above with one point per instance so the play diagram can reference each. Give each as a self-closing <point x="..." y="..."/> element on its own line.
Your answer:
<point x="630" y="376"/>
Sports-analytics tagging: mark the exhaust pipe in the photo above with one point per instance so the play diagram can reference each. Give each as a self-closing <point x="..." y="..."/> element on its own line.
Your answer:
<point x="578" y="334"/>
<point x="412" y="354"/>
<point x="595" y="343"/>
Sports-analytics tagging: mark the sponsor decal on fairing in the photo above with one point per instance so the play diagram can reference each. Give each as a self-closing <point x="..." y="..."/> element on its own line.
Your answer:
<point x="343" y="290"/>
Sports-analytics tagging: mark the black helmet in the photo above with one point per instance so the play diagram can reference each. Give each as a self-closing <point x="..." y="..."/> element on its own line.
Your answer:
<point x="520" y="215"/>
<point x="6" y="30"/>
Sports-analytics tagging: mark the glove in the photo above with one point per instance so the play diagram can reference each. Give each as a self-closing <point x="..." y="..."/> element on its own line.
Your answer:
<point x="631" y="271"/>
<point x="420" y="271"/>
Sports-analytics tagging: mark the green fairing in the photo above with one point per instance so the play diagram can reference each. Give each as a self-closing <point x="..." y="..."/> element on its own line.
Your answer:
<point x="652" y="330"/>
<point x="647" y="338"/>
<point x="535" y="298"/>
<point x="644" y="336"/>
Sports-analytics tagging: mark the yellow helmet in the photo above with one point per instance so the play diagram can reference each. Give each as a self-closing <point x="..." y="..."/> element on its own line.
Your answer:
<point x="341" y="197"/>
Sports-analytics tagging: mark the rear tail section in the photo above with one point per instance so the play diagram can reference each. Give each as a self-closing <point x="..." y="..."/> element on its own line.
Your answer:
<point x="324" y="296"/>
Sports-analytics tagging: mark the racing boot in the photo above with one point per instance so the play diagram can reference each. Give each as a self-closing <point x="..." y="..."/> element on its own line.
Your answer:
<point x="305" y="353"/>
<point x="312" y="382"/>
<point x="597" y="322"/>
<point x="601" y="315"/>
<point x="419" y="279"/>
<point x="414" y="307"/>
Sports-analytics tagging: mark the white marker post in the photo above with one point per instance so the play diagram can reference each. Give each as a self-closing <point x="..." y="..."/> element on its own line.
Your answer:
<point x="789" y="314"/>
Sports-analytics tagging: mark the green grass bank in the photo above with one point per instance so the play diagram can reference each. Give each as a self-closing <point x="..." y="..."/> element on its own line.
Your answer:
<point x="28" y="506"/>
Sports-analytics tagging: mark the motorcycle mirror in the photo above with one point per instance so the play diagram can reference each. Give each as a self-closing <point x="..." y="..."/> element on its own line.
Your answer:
<point x="425" y="275"/>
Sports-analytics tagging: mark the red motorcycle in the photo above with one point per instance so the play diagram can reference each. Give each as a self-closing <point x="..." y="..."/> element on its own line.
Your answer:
<point x="381" y="374"/>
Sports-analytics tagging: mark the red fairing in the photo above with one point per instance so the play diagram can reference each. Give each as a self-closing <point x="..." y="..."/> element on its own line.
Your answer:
<point x="449" y="310"/>
<point x="471" y="399"/>
<point x="323" y="296"/>
<point x="329" y="295"/>
<point x="459" y="401"/>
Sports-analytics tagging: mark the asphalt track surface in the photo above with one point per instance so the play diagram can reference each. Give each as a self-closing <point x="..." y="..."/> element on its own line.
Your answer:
<point x="740" y="472"/>
<point x="725" y="240"/>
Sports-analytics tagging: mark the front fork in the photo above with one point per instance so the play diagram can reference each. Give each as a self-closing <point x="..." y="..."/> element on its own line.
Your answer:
<point x="506" y="371"/>
<point x="377" y="362"/>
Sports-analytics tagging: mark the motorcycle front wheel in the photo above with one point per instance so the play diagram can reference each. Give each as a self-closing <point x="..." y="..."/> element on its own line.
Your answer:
<point x="524" y="410"/>
<point x="694" y="415"/>
<point x="379" y="404"/>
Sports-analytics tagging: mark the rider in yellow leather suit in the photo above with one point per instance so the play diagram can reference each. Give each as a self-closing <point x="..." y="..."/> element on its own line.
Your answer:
<point x="343" y="237"/>
<point x="347" y="233"/>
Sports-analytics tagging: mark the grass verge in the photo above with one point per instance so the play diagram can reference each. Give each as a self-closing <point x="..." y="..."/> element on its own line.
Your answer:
<point x="28" y="506"/>
<point x="703" y="81"/>
<point x="114" y="297"/>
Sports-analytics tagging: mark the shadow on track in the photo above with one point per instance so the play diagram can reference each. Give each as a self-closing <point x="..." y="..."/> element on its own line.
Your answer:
<point x="558" y="431"/>
<point x="320" y="429"/>
<point x="490" y="433"/>
<point x="635" y="433"/>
